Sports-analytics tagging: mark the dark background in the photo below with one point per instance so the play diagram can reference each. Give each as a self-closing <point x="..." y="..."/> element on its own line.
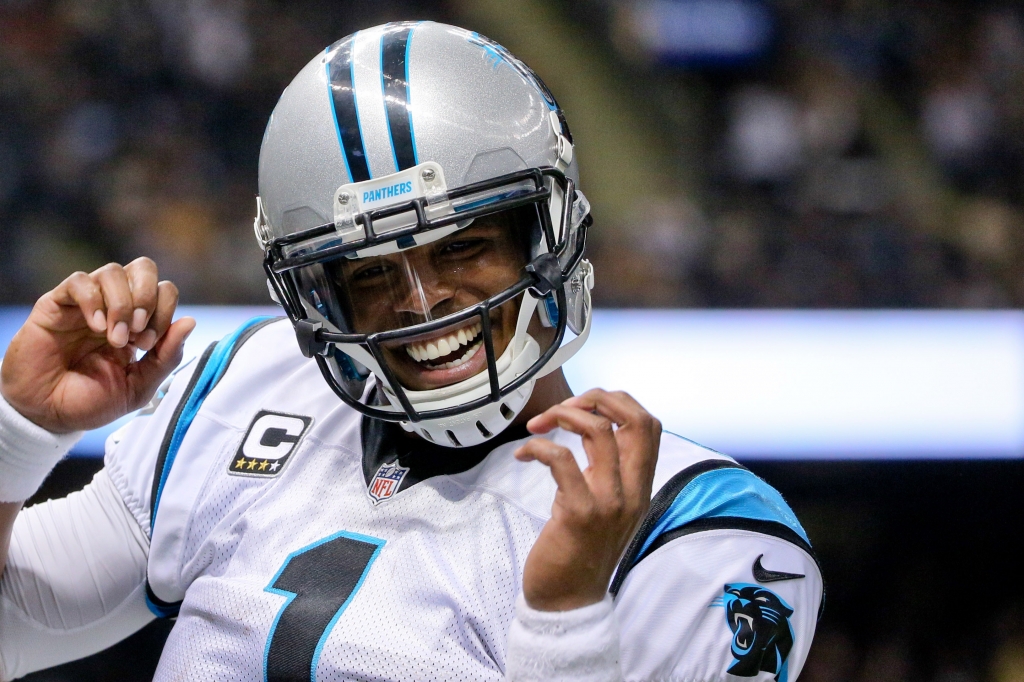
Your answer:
<point x="866" y="154"/>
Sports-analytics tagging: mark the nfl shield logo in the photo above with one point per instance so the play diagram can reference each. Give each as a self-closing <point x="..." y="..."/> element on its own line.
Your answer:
<point x="386" y="481"/>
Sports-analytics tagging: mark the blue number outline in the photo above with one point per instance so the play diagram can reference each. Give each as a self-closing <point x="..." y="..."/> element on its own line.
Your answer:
<point x="289" y="596"/>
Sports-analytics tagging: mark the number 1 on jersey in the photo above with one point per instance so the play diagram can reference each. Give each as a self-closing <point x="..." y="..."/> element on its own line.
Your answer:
<point x="319" y="581"/>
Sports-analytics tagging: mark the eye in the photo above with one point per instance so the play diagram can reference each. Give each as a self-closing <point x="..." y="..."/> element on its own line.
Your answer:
<point x="461" y="246"/>
<point x="764" y="599"/>
<point x="369" y="272"/>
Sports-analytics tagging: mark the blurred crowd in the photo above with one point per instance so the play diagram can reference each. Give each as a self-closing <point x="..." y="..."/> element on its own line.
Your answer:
<point x="870" y="154"/>
<point x="836" y="658"/>
<point x="132" y="127"/>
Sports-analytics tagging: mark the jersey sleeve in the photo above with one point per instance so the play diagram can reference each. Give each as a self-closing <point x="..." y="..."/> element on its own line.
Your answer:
<point x="76" y="576"/>
<point x="132" y="451"/>
<point x="720" y="582"/>
<point x="74" y="582"/>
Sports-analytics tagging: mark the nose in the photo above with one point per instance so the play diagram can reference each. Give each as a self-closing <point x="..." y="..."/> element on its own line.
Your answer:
<point x="424" y="288"/>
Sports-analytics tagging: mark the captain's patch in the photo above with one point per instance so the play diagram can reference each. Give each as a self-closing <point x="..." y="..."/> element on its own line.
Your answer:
<point x="386" y="481"/>
<point x="270" y="441"/>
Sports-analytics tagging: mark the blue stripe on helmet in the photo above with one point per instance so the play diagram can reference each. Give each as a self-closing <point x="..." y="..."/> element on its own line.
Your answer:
<point x="394" y="74"/>
<point x="341" y="83"/>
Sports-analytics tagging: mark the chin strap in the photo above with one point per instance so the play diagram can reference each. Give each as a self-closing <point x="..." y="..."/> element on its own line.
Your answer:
<point x="563" y="354"/>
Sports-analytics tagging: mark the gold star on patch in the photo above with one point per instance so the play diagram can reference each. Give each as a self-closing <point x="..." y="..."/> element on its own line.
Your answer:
<point x="263" y="465"/>
<point x="252" y="464"/>
<point x="240" y="463"/>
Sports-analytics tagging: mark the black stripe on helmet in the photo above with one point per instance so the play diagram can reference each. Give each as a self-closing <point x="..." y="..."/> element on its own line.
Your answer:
<point x="346" y="117"/>
<point x="394" y="67"/>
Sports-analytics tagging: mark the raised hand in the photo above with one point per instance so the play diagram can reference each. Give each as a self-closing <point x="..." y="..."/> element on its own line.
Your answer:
<point x="72" y="365"/>
<point x="597" y="510"/>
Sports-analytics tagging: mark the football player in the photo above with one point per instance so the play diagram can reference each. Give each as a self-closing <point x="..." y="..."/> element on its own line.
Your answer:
<point x="368" y="503"/>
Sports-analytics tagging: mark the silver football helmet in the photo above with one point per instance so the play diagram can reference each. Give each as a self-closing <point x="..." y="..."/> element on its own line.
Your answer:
<point x="421" y="224"/>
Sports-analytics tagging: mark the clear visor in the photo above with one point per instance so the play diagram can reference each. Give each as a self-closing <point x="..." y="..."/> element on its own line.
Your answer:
<point x="402" y="288"/>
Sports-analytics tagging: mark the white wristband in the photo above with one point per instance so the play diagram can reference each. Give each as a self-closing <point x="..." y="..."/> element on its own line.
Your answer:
<point x="27" y="453"/>
<point x="581" y="645"/>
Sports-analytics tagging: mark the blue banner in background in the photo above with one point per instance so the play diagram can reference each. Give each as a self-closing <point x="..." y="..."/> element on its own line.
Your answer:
<point x="780" y="384"/>
<point x="699" y="33"/>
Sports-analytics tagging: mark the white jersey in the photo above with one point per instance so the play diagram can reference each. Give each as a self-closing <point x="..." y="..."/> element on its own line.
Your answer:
<point x="288" y="552"/>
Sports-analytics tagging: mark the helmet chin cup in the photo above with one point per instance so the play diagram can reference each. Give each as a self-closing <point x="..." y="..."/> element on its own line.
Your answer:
<point x="482" y="424"/>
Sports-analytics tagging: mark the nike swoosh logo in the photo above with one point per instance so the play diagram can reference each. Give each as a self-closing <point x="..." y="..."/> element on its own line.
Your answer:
<point x="762" y="575"/>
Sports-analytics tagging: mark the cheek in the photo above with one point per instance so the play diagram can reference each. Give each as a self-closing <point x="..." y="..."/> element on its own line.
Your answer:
<point x="487" y="278"/>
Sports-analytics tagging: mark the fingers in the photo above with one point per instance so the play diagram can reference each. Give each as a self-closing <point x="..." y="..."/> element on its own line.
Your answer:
<point x="638" y="432"/>
<point x="117" y="299"/>
<point x="79" y="290"/>
<point x="142" y="280"/>
<point x="629" y="416"/>
<point x="620" y="437"/>
<point x="618" y="406"/>
<point x="560" y="460"/>
<point x="597" y="432"/>
<point x="147" y="373"/>
<point x="118" y="302"/>
<point x="160" y="321"/>
<point x="126" y="304"/>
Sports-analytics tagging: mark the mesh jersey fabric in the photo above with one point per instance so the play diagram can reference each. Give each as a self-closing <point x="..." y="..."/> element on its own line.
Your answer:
<point x="299" y="566"/>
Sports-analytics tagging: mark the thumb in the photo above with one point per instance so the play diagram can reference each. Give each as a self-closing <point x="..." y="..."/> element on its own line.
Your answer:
<point x="159" y="361"/>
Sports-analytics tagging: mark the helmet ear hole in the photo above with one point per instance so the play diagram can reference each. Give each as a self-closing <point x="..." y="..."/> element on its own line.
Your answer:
<point x="506" y="412"/>
<point x="483" y="430"/>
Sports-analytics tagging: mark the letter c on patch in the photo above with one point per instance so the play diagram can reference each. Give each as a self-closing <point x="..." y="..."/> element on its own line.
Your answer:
<point x="273" y="436"/>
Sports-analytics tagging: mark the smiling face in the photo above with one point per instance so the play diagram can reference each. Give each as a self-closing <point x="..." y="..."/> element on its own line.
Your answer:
<point x="383" y="293"/>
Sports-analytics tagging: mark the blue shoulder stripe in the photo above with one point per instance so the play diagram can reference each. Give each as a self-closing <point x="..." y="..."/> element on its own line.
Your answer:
<point x="708" y="495"/>
<point x="719" y="493"/>
<point x="208" y="373"/>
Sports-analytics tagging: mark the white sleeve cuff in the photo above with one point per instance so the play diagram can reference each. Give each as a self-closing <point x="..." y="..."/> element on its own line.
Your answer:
<point x="27" y="453"/>
<point x="581" y="645"/>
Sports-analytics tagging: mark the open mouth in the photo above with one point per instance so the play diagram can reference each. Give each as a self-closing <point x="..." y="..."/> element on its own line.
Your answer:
<point x="448" y="351"/>
<point x="744" y="629"/>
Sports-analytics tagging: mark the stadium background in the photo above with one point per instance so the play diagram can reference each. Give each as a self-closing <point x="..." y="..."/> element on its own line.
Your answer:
<point x="788" y="154"/>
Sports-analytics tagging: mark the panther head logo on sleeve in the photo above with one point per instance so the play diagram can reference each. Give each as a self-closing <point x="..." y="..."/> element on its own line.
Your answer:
<point x="761" y="634"/>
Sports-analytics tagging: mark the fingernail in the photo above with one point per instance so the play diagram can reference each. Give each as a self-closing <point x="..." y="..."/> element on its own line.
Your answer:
<point x="139" y="319"/>
<point x="99" y="320"/>
<point x="146" y="340"/>
<point x="119" y="337"/>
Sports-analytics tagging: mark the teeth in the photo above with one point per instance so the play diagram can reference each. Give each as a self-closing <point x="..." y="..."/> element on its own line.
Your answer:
<point x="464" y="359"/>
<point x="436" y="348"/>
